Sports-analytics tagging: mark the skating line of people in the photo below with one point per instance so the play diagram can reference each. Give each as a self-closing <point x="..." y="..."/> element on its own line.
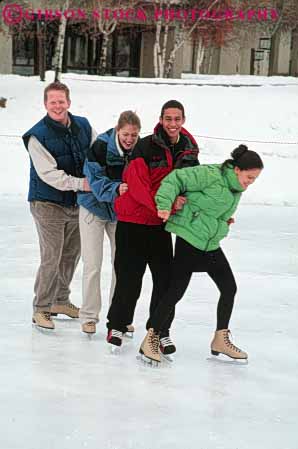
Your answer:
<point x="139" y="192"/>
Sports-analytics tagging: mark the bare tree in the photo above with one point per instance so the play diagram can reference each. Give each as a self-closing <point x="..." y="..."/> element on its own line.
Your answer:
<point x="184" y="32"/>
<point x="208" y="35"/>
<point x="181" y="31"/>
<point x="59" y="52"/>
<point x="161" y="40"/>
<point x="287" y="22"/>
<point x="104" y="14"/>
<point x="106" y="26"/>
<point x="213" y="32"/>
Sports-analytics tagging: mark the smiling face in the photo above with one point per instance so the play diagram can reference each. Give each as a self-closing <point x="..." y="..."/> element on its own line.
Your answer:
<point x="172" y="122"/>
<point x="57" y="106"/>
<point x="247" y="177"/>
<point x="128" y="136"/>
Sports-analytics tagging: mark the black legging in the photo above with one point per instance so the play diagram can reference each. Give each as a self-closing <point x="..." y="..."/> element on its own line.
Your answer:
<point x="187" y="260"/>
<point x="139" y="246"/>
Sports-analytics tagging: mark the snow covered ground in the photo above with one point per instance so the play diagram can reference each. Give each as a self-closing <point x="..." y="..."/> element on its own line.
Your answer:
<point x="63" y="390"/>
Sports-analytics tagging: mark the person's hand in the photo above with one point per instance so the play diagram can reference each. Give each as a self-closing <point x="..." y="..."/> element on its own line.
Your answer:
<point x="163" y="214"/>
<point x="86" y="186"/>
<point x="179" y="202"/>
<point x="123" y="188"/>
<point x="230" y="221"/>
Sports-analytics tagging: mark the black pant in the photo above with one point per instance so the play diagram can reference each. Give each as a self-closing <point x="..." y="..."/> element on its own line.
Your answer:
<point x="187" y="260"/>
<point x="136" y="246"/>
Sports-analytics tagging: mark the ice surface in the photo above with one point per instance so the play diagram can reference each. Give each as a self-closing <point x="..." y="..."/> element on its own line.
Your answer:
<point x="65" y="390"/>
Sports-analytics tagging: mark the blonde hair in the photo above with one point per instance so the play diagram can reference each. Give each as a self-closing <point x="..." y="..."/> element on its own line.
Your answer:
<point x="128" y="118"/>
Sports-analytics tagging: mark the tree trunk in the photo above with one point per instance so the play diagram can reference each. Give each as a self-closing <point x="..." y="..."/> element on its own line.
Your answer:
<point x="60" y="44"/>
<point x="156" y="50"/>
<point x="210" y="60"/>
<point x="104" y="54"/>
<point x="161" y="42"/>
<point x="179" y="41"/>
<point x="200" y="54"/>
<point x="164" y="49"/>
<point x="41" y="50"/>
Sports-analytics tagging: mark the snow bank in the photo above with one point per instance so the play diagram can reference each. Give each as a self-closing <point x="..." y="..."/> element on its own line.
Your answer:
<point x="219" y="117"/>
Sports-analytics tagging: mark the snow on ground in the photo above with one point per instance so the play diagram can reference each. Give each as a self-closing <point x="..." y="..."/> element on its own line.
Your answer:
<point x="254" y="113"/>
<point x="63" y="390"/>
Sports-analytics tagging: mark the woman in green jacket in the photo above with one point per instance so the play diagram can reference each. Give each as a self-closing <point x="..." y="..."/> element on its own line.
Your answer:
<point x="212" y="195"/>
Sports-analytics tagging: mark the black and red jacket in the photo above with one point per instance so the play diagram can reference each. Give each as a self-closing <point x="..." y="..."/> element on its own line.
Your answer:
<point x="153" y="158"/>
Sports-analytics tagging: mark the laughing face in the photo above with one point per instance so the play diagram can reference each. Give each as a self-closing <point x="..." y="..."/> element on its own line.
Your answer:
<point x="247" y="177"/>
<point x="57" y="106"/>
<point x="172" y="122"/>
<point x="128" y="136"/>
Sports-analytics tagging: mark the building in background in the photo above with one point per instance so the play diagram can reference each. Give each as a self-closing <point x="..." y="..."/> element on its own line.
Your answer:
<point x="130" y="49"/>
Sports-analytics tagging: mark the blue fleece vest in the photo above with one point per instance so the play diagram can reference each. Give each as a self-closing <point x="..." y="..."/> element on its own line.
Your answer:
<point x="68" y="146"/>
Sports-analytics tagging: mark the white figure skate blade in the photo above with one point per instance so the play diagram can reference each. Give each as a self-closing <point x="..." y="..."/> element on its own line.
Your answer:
<point x="147" y="362"/>
<point x="43" y="330"/>
<point x="115" y="350"/>
<point x="128" y="334"/>
<point x="88" y="335"/>
<point x="168" y="357"/>
<point x="222" y="358"/>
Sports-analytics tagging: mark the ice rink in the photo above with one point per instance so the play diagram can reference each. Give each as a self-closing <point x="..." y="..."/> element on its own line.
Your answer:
<point x="65" y="390"/>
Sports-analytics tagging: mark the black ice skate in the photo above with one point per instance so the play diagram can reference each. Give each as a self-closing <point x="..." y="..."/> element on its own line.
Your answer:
<point x="114" y="337"/>
<point x="166" y="346"/>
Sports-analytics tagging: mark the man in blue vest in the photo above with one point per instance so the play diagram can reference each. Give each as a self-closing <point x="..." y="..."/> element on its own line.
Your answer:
<point x="57" y="145"/>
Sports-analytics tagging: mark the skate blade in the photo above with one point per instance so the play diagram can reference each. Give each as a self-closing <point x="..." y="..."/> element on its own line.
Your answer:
<point x="128" y="334"/>
<point x="148" y="362"/>
<point x="89" y="335"/>
<point x="115" y="350"/>
<point x="43" y="330"/>
<point x="168" y="357"/>
<point x="225" y="359"/>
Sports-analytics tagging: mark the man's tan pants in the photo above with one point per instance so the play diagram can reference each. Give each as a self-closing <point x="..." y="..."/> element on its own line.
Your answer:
<point x="59" y="242"/>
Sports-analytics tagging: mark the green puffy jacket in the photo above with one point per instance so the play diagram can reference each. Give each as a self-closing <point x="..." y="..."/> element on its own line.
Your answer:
<point x="212" y="198"/>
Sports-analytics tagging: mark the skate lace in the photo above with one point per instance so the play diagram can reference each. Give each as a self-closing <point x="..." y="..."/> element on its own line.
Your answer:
<point x="166" y="341"/>
<point x="72" y="306"/>
<point x="115" y="333"/>
<point x="154" y="342"/>
<point x="227" y="337"/>
<point x="47" y="316"/>
<point x="90" y="323"/>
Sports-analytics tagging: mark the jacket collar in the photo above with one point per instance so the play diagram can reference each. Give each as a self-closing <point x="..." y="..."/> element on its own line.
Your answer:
<point x="185" y="141"/>
<point x="60" y="129"/>
<point x="232" y="179"/>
